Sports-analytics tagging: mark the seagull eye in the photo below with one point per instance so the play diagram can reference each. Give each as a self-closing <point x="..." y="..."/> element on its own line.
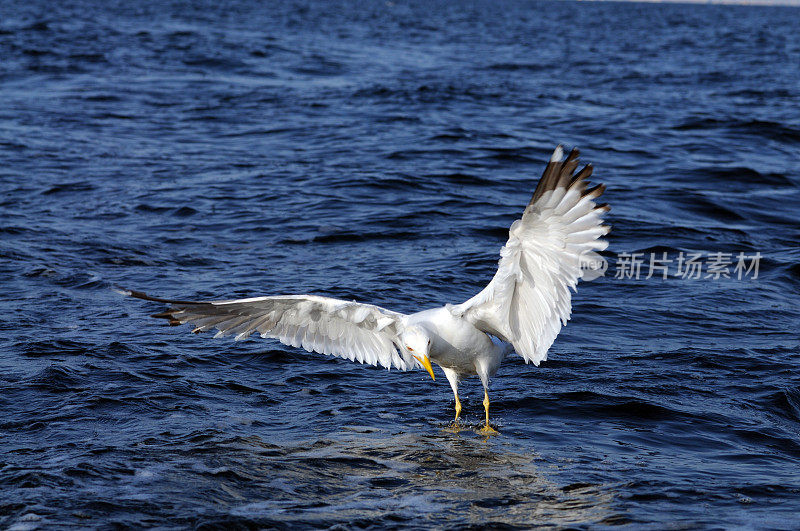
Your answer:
<point x="409" y="348"/>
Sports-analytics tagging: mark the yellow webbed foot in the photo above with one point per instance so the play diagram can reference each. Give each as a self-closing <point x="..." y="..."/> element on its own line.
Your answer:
<point x="488" y="430"/>
<point x="455" y="427"/>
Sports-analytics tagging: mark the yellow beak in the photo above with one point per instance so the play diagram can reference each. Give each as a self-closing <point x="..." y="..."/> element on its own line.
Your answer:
<point x="427" y="364"/>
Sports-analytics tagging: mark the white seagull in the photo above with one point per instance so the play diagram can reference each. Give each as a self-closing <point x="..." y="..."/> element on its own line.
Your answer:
<point x="551" y="247"/>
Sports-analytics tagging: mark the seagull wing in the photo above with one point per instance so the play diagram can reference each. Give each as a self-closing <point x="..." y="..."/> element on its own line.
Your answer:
<point x="350" y="330"/>
<point x="547" y="252"/>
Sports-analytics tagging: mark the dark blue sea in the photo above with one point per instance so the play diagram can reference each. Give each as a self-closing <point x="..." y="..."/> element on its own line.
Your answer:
<point x="379" y="151"/>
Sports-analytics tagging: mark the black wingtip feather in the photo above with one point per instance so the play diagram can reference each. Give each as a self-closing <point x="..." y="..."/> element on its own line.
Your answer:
<point x="561" y="173"/>
<point x="145" y="297"/>
<point x="595" y="191"/>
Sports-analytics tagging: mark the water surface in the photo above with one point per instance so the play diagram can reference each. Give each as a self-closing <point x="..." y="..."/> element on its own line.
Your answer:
<point x="379" y="152"/>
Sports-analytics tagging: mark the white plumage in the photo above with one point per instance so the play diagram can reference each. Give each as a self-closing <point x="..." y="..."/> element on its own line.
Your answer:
<point x="552" y="246"/>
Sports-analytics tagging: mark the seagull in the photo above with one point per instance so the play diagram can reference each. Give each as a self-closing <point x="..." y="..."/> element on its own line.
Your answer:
<point x="553" y="245"/>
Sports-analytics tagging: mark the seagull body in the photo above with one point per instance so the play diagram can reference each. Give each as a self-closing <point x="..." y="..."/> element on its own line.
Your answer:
<point x="522" y="309"/>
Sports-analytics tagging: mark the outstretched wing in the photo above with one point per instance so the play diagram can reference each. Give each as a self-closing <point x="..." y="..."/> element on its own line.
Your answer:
<point x="358" y="332"/>
<point x="548" y="251"/>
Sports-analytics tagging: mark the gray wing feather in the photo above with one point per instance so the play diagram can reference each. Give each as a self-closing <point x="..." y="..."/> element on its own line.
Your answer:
<point x="351" y="330"/>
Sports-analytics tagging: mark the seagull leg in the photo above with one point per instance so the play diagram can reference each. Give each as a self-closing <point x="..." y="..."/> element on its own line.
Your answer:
<point x="487" y="430"/>
<point x="452" y="377"/>
<point x="484" y="376"/>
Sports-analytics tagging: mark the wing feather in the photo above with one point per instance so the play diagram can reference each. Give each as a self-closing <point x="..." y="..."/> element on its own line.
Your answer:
<point x="358" y="332"/>
<point x="529" y="299"/>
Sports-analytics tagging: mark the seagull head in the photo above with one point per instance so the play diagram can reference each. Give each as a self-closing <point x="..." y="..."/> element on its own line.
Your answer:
<point x="418" y="343"/>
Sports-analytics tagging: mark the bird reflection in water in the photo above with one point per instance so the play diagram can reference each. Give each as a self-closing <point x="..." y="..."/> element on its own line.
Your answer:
<point x="371" y="475"/>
